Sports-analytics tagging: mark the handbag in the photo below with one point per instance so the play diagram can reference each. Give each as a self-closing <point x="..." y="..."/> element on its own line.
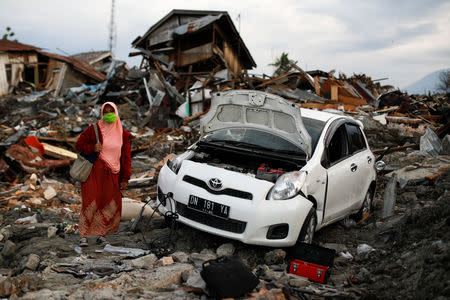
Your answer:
<point x="82" y="166"/>
<point x="228" y="277"/>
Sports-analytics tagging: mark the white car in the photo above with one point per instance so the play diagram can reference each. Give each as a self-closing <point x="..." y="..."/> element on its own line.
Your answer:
<point x="268" y="172"/>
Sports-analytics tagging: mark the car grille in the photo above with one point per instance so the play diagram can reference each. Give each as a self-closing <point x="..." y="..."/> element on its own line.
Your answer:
<point x="230" y="192"/>
<point x="231" y="225"/>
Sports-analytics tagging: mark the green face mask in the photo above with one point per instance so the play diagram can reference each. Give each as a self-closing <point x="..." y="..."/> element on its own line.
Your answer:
<point x="110" y="118"/>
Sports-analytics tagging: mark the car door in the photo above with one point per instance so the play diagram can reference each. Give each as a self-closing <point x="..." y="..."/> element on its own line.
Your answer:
<point x="363" y="161"/>
<point x="342" y="174"/>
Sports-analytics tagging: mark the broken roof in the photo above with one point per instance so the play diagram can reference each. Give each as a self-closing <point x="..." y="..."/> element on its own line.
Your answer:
<point x="203" y="19"/>
<point x="93" y="56"/>
<point x="78" y="65"/>
<point x="6" y="45"/>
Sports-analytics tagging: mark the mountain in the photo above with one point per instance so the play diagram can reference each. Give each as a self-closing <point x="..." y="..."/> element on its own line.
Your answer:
<point x="426" y="84"/>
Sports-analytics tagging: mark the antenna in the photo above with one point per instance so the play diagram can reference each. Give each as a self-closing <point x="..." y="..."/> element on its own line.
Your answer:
<point x="112" y="28"/>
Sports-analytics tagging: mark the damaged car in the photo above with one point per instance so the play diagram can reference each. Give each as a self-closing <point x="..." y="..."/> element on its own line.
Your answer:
<point x="267" y="172"/>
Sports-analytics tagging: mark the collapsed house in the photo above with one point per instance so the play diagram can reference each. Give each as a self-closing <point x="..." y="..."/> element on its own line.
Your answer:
<point x="22" y="64"/>
<point x="100" y="60"/>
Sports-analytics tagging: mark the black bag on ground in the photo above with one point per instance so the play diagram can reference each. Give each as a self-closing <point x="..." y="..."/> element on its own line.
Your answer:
<point x="228" y="277"/>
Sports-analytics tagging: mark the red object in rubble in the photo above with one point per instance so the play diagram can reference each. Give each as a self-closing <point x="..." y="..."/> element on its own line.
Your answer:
<point x="311" y="271"/>
<point x="312" y="261"/>
<point x="34" y="143"/>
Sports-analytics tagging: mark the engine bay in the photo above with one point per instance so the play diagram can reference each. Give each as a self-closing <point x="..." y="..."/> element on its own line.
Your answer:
<point x="260" y="166"/>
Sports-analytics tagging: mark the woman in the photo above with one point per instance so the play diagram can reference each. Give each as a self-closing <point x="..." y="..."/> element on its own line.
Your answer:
<point x="101" y="205"/>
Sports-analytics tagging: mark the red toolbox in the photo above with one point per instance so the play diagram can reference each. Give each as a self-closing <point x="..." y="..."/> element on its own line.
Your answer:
<point x="312" y="261"/>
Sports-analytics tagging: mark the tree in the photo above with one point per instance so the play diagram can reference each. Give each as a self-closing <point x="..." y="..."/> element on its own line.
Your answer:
<point x="444" y="82"/>
<point x="9" y="33"/>
<point x="282" y="64"/>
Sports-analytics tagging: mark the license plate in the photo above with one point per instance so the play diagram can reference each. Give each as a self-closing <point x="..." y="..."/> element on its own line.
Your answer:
<point x="209" y="207"/>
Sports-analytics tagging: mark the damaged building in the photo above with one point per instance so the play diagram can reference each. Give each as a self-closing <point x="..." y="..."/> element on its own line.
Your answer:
<point x="197" y="41"/>
<point x="25" y="65"/>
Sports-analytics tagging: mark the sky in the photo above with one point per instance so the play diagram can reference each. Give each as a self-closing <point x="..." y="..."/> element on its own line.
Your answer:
<point x="401" y="40"/>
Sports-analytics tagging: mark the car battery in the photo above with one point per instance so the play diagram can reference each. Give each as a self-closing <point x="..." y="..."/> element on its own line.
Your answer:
<point x="269" y="174"/>
<point x="312" y="261"/>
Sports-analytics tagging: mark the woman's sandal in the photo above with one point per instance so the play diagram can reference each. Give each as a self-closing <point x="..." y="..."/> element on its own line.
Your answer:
<point x="101" y="240"/>
<point x="83" y="242"/>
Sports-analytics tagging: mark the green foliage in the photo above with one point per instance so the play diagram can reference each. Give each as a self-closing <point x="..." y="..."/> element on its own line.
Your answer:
<point x="282" y="64"/>
<point x="444" y="82"/>
<point x="9" y="33"/>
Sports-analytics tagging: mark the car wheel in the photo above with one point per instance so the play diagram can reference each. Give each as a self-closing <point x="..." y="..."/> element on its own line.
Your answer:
<point x="366" y="208"/>
<point x="309" y="227"/>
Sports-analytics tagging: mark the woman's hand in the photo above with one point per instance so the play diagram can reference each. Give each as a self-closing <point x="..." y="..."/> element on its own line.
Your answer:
<point x="123" y="185"/>
<point x="98" y="147"/>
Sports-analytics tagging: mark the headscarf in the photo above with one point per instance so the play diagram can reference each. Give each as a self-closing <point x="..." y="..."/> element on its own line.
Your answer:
<point x="112" y="140"/>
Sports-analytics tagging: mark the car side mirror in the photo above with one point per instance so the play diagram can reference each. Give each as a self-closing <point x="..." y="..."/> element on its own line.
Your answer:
<point x="379" y="166"/>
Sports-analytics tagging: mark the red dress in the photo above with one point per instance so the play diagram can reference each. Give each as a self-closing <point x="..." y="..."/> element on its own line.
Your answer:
<point x="101" y="206"/>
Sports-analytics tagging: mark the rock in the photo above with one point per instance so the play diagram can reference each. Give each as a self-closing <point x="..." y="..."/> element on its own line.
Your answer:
<point x="166" y="261"/>
<point x="6" y="287"/>
<point x="364" y="249"/>
<point x="408" y="197"/>
<point x="445" y="145"/>
<point x="33" y="179"/>
<point x="9" y="249"/>
<point x="208" y="251"/>
<point x="67" y="197"/>
<point x="226" y="249"/>
<point x="6" y="232"/>
<point x="271" y="275"/>
<point x="51" y="232"/>
<point x="144" y="261"/>
<point x="1" y="237"/>
<point x="298" y="281"/>
<point x="166" y="276"/>
<point x="27" y="220"/>
<point x="195" y="280"/>
<point x="49" y="193"/>
<point x="274" y="257"/>
<point x="106" y="293"/>
<point x="32" y="262"/>
<point x="180" y="257"/>
<point x="364" y="276"/>
<point x="198" y="259"/>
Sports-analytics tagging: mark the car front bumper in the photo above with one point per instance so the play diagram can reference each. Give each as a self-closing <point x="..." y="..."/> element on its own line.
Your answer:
<point x="248" y="221"/>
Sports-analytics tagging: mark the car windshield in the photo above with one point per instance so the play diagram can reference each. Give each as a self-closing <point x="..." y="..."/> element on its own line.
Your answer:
<point x="253" y="139"/>
<point x="314" y="128"/>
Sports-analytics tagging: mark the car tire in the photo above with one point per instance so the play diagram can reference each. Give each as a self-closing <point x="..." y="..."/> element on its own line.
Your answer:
<point x="366" y="207"/>
<point x="308" y="228"/>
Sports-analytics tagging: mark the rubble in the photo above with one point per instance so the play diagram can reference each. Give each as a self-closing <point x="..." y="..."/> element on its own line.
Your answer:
<point x="402" y="246"/>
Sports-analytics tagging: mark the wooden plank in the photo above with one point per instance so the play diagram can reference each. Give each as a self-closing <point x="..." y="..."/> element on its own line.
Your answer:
<point x="403" y="120"/>
<point x="351" y="100"/>
<point x="196" y="54"/>
<point x="334" y="93"/>
<point x="58" y="152"/>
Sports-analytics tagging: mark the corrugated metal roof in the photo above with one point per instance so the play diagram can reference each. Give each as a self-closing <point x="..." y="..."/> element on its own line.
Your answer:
<point x="92" y="56"/>
<point x="6" y="45"/>
<point x="79" y="65"/>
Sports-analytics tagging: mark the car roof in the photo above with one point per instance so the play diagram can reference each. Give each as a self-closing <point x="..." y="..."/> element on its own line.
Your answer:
<point x="325" y="116"/>
<point x="318" y="115"/>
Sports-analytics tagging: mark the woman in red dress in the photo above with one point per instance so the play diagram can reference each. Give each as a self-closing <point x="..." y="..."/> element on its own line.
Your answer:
<point x="101" y="206"/>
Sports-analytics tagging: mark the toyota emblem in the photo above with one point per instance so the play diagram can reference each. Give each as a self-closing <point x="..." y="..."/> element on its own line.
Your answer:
<point x="215" y="183"/>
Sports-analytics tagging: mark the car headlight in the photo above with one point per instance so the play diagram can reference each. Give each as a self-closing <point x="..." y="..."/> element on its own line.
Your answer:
<point x="175" y="164"/>
<point x="288" y="185"/>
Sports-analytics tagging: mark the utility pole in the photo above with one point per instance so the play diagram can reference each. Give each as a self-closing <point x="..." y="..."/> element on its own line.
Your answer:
<point x="112" y="28"/>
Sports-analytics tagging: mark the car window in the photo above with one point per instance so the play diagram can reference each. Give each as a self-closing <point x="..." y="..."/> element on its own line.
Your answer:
<point x="338" y="147"/>
<point x="314" y="128"/>
<point x="356" y="138"/>
<point x="254" y="137"/>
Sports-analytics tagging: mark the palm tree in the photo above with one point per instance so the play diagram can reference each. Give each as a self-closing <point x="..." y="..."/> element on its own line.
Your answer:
<point x="282" y="64"/>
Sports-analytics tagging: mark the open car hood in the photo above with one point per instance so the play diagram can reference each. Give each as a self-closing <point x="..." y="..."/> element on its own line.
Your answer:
<point x="260" y="110"/>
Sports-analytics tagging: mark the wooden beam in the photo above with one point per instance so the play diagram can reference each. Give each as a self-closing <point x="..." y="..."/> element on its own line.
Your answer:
<point x="334" y="93"/>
